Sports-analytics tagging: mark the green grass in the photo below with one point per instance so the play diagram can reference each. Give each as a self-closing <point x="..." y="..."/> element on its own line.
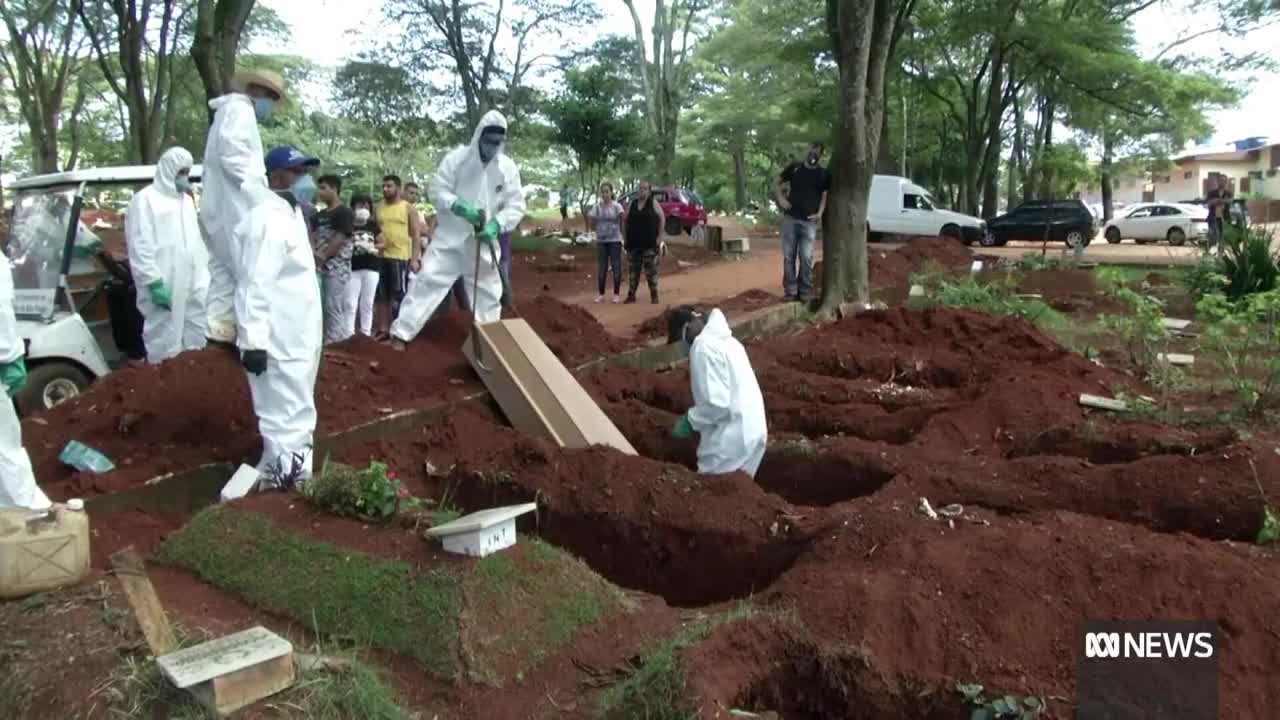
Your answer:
<point x="517" y="611"/>
<point x="656" y="690"/>
<point x="532" y="243"/>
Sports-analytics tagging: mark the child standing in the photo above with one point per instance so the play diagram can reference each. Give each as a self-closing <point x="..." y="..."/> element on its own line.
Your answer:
<point x="606" y="219"/>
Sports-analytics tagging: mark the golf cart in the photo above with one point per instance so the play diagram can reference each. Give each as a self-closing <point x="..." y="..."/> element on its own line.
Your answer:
<point x="73" y="293"/>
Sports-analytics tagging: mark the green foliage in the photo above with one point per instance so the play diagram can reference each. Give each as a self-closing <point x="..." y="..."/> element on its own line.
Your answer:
<point x="1245" y="335"/>
<point x="372" y="493"/>
<point x="1205" y="277"/>
<point x="358" y="692"/>
<point x="1034" y="261"/>
<point x="1247" y="261"/>
<point x="994" y="296"/>
<point x="1009" y="707"/>
<point x="590" y="118"/>
<point x="1141" y="328"/>
<point x="1270" y="532"/>
<point x="656" y="690"/>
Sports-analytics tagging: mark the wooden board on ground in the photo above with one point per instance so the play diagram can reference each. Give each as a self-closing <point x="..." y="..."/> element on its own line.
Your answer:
<point x="1175" y="323"/>
<point x="1177" y="359"/>
<point x="536" y="391"/>
<point x="132" y="574"/>
<point x="1103" y="403"/>
<point x="233" y="671"/>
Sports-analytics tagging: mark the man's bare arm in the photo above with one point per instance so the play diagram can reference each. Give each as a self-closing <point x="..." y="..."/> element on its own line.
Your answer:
<point x="415" y="234"/>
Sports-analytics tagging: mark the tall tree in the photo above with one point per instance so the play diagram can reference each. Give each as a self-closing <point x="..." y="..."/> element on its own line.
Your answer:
<point x="140" y="74"/>
<point x="468" y="40"/>
<point x="862" y="33"/>
<point x="590" y="119"/>
<point x="665" y="72"/>
<point x="41" y="55"/>
<point x="388" y="102"/>
<point x="219" y="27"/>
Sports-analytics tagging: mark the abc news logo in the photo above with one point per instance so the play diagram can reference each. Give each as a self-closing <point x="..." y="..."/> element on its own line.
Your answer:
<point x="1148" y="645"/>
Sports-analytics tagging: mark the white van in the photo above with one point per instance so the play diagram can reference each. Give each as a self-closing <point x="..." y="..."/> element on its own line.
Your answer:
<point x="898" y="206"/>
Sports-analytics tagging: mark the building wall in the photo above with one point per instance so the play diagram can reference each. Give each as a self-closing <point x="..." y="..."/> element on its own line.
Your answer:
<point x="1124" y="191"/>
<point x="1187" y="180"/>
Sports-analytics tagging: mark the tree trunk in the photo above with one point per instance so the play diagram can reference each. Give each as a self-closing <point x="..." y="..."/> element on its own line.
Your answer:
<point x="1107" y="192"/>
<point x="1046" y="167"/>
<point x="861" y="34"/>
<point x="885" y="161"/>
<point x="739" y="177"/>
<point x="219" y="24"/>
<point x="1017" y="157"/>
<point x="995" y="114"/>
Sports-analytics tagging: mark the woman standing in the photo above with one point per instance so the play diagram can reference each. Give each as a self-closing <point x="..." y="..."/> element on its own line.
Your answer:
<point x="606" y="220"/>
<point x="642" y="226"/>
<point x="366" y="266"/>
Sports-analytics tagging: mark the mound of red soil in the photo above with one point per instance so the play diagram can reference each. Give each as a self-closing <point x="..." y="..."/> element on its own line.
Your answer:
<point x="893" y="268"/>
<point x="656" y="326"/>
<point x="195" y="408"/>
<point x="997" y="603"/>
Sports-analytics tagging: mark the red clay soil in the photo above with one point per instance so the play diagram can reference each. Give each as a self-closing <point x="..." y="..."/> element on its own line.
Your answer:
<point x="571" y="270"/>
<point x="195" y="409"/>
<point x="897" y="609"/>
<point x="656" y="326"/>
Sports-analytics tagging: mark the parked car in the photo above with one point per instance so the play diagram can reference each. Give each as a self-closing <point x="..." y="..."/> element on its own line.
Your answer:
<point x="1153" y="222"/>
<point x="897" y="206"/>
<point x="1239" y="210"/>
<point x="683" y="208"/>
<point x="1067" y="221"/>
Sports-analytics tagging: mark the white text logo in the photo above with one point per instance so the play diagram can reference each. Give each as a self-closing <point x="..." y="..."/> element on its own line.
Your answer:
<point x="1148" y="645"/>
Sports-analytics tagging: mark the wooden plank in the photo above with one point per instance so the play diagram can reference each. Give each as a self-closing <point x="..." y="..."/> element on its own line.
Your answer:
<point x="1175" y="323"/>
<point x="1102" y="403"/>
<point x="232" y="653"/>
<point x="1177" y="359"/>
<point x="132" y="574"/>
<point x="228" y="693"/>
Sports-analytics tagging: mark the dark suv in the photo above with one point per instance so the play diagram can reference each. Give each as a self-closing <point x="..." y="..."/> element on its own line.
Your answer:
<point x="1068" y="221"/>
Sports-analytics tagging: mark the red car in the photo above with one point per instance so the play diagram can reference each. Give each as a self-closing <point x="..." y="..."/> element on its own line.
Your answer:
<point x="683" y="208"/>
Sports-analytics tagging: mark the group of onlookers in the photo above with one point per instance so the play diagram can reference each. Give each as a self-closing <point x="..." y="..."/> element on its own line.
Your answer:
<point x="636" y="229"/>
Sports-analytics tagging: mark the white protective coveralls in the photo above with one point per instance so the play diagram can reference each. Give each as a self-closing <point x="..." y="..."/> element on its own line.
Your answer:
<point x="234" y="179"/>
<point x="728" y="409"/>
<point x="493" y="188"/>
<point x="165" y="244"/>
<point x="277" y="306"/>
<point x="17" y="481"/>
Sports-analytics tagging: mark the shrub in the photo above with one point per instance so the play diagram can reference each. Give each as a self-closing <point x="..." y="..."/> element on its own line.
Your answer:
<point x="1246" y="334"/>
<point x="997" y="296"/>
<point x="1248" y="262"/>
<point x="372" y="493"/>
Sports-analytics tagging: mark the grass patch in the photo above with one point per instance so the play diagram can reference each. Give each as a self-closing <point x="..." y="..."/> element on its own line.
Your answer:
<point x="656" y="690"/>
<point x="521" y="242"/>
<point x="994" y="296"/>
<point x="518" y="607"/>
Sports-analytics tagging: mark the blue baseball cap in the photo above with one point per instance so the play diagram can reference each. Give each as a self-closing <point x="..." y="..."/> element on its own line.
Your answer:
<point x="288" y="157"/>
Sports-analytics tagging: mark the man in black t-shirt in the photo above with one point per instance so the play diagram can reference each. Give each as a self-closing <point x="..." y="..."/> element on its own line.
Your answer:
<point x="332" y="243"/>
<point x="1219" y="202"/>
<point x="803" y="200"/>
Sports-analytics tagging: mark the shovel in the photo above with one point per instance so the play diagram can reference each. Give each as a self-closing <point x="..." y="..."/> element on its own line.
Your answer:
<point x="477" y="350"/>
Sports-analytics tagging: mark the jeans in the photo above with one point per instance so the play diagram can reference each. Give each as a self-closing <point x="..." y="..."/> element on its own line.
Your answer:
<point x="609" y="255"/>
<point x="333" y="301"/>
<point x="798" y="238"/>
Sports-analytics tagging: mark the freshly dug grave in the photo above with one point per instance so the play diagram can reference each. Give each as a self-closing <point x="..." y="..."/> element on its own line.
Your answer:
<point x="571" y="269"/>
<point x="487" y="621"/>
<point x="195" y="408"/>
<point x="894" y="610"/>
<point x="656" y="326"/>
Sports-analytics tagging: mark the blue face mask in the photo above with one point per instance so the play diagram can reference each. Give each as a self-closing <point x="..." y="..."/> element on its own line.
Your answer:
<point x="182" y="184"/>
<point x="263" y="107"/>
<point x="304" y="189"/>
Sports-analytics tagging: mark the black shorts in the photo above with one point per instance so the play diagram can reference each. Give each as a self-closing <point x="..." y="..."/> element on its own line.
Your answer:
<point x="392" y="281"/>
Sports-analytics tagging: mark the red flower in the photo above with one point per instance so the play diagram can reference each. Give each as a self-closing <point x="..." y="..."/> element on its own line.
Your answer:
<point x="391" y="474"/>
<point x="402" y="492"/>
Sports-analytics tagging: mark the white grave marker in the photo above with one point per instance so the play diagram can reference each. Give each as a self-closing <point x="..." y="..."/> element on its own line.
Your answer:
<point x="233" y="671"/>
<point x="240" y="484"/>
<point x="482" y="533"/>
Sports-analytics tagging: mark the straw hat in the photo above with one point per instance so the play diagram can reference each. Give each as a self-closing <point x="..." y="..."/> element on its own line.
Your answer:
<point x="262" y="78"/>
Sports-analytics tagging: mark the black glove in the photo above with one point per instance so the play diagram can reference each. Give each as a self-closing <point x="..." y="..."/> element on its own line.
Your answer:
<point x="255" y="361"/>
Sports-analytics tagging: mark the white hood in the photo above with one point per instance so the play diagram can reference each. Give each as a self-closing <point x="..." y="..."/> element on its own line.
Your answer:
<point x="172" y="161"/>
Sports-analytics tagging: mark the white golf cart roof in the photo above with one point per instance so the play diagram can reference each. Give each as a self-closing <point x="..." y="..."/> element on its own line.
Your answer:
<point x="124" y="175"/>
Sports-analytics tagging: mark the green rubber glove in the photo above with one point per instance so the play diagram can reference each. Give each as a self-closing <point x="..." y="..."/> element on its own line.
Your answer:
<point x="160" y="296"/>
<point x="489" y="235"/>
<point x="683" y="429"/>
<point x="14" y="376"/>
<point x="468" y="212"/>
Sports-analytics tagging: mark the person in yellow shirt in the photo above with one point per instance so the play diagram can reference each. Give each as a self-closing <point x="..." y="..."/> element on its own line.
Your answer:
<point x="402" y="254"/>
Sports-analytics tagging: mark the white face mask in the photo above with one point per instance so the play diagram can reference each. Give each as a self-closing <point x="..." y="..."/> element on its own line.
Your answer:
<point x="362" y="215"/>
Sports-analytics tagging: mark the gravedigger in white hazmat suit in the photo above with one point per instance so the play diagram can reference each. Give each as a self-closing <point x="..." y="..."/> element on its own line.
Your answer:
<point x="17" y="481"/>
<point x="280" y="323"/>
<point x="476" y="192"/>
<point x="233" y="181"/>
<point x="728" y="409"/>
<point x="168" y="259"/>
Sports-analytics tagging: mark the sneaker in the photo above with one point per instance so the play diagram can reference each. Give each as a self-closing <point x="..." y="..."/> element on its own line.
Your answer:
<point x="653" y="299"/>
<point x="617" y="299"/>
<point x="599" y="299"/>
<point x="631" y="300"/>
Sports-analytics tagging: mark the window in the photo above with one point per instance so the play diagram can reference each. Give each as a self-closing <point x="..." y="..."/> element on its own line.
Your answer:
<point x="1255" y="174"/>
<point x="1186" y="175"/>
<point x="1142" y="212"/>
<point x="926" y="203"/>
<point x="911" y="202"/>
<point x="1164" y="211"/>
